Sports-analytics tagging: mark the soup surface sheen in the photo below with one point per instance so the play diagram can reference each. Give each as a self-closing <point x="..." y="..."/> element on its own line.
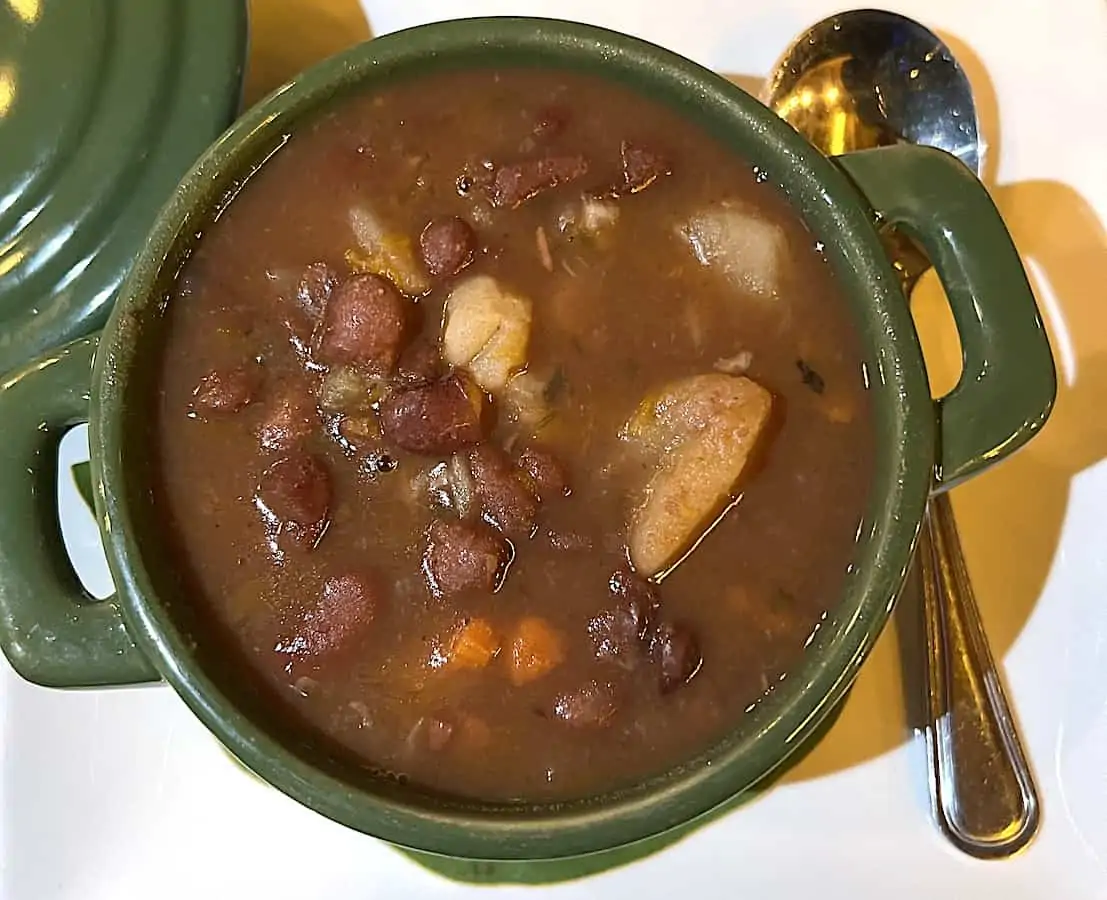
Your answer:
<point x="423" y="530"/>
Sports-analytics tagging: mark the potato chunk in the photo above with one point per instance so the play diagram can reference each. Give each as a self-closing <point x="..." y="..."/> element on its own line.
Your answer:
<point x="384" y="253"/>
<point x="487" y="331"/>
<point x="741" y="246"/>
<point x="703" y="430"/>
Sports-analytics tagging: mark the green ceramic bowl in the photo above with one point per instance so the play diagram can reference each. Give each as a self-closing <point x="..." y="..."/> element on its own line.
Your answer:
<point x="54" y="635"/>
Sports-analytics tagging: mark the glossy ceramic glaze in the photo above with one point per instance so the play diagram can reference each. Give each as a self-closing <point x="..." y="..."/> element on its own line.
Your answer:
<point x="995" y="410"/>
<point x="104" y="104"/>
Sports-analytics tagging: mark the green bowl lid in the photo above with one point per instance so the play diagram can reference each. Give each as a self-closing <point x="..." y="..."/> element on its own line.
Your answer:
<point x="104" y="104"/>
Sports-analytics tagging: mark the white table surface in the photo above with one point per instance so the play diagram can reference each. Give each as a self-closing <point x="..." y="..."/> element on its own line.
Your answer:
<point x="112" y="795"/>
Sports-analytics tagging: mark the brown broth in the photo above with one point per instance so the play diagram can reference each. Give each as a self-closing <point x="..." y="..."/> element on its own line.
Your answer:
<point x="616" y="321"/>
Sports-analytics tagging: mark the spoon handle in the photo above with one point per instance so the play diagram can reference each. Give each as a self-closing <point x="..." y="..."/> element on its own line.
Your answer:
<point x="982" y="788"/>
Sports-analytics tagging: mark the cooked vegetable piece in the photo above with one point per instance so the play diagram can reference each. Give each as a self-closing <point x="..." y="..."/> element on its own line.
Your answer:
<point x="741" y="245"/>
<point x="343" y="389"/>
<point x="474" y="645"/>
<point x="526" y="397"/>
<point x="536" y="650"/>
<point x="384" y="253"/>
<point x="487" y="331"/>
<point x="704" y="429"/>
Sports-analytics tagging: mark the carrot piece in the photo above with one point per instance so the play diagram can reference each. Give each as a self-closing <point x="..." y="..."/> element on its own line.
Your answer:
<point x="536" y="649"/>
<point x="473" y="645"/>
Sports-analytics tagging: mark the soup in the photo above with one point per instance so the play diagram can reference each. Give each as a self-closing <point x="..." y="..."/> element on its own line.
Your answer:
<point x="511" y="435"/>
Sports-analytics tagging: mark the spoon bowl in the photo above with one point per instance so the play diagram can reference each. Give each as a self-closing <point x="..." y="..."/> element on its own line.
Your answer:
<point x="868" y="78"/>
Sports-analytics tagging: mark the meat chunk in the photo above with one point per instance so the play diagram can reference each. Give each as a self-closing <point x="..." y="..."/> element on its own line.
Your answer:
<point x="385" y="253"/>
<point x="447" y="245"/>
<point x="336" y="621"/>
<point x="287" y="422"/>
<point x="641" y="166"/>
<point x="487" y="331"/>
<point x="296" y="489"/>
<point x="704" y="430"/>
<point x="436" y="418"/>
<point x="315" y="287"/>
<point x="676" y="653"/>
<point x="536" y="650"/>
<point x="621" y="632"/>
<point x="506" y="501"/>
<point x="226" y="390"/>
<point x="590" y="706"/>
<point x="747" y="250"/>
<point x="514" y="183"/>
<point x="546" y="475"/>
<point x="460" y="557"/>
<point x="364" y="325"/>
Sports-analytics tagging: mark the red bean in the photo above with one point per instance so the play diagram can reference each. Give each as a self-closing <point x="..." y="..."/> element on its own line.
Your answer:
<point x="287" y="422"/>
<point x="506" y="501"/>
<point x="420" y="362"/>
<point x="545" y="473"/>
<point x="590" y="706"/>
<point x="339" y="618"/>
<point x="364" y="325"/>
<point x="433" y="419"/>
<point x="296" y="488"/>
<point x="460" y="557"/>
<point x="227" y="390"/>
<point x="676" y="653"/>
<point x="447" y="245"/>
<point x="620" y="633"/>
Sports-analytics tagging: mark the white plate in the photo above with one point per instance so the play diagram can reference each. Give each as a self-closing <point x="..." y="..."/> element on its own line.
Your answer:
<point x="111" y="795"/>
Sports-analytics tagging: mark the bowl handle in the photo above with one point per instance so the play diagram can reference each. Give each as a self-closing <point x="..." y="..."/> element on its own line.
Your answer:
<point x="52" y="630"/>
<point x="1008" y="381"/>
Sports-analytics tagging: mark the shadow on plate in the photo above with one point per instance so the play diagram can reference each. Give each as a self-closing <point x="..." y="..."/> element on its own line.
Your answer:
<point x="288" y="36"/>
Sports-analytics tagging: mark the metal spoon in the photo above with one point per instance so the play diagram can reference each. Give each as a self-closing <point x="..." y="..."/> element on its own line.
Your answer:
<point x="869" y="78"/>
